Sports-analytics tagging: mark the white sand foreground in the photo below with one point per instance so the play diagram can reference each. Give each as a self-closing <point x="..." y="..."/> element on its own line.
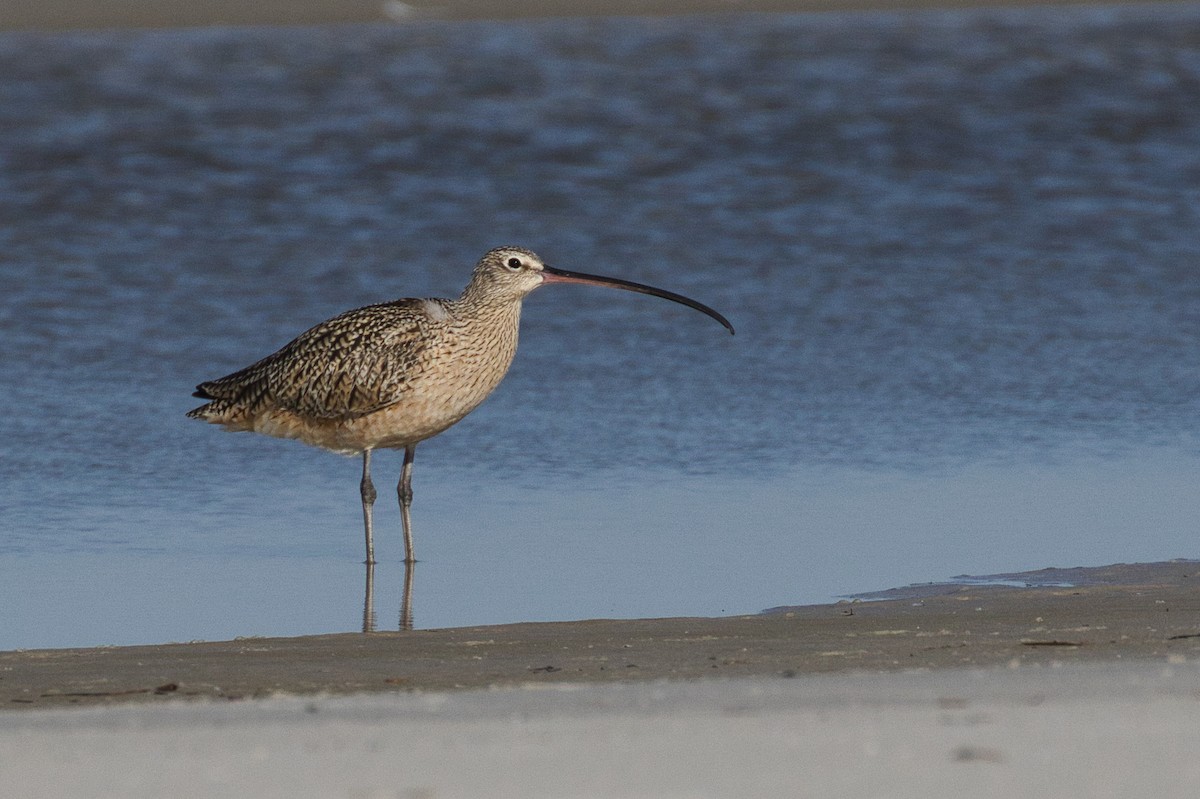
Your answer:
<point x="1099" y="730"/>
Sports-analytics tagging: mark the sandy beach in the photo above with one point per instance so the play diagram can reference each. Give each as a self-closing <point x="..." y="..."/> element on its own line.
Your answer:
<point x="1089" y="731"/>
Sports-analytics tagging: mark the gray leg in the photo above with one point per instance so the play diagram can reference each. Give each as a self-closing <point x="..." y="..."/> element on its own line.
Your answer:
<point x="368" y="499"/>
<point x="405" y="492"/>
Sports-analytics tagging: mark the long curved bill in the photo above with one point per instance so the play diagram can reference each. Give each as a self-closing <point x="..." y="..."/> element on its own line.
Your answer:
<point x="552" y="275"/>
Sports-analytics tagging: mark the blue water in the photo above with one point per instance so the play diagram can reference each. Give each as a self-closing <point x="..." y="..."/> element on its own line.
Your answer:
<point x="960" y="248"/>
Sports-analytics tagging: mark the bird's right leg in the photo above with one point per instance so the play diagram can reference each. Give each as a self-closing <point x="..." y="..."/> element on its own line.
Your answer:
<point x="368" y="499"/>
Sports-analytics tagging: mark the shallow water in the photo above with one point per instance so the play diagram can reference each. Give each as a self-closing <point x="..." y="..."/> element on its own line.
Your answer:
<point x="960" y="250"/>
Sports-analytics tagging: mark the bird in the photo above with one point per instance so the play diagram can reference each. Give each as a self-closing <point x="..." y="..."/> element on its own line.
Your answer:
<point x="391" y="375"/>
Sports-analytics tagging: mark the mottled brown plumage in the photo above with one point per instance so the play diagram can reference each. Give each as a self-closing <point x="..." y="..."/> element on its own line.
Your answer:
<point x="392" y="375"/>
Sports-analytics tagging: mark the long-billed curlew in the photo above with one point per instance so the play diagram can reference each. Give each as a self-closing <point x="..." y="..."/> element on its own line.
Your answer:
<point x="390" y="376"/>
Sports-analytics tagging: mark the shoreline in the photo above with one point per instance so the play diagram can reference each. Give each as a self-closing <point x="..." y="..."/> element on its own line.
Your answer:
<point x="1127" y="612"/>
<point x="65" y="15"/>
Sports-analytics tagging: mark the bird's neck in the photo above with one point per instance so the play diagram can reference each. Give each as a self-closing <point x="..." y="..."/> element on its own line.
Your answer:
<point x="488" y="311"/>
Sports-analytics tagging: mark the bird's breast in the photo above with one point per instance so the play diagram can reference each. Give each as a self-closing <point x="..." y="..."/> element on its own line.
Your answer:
<point x="460" y="366"/>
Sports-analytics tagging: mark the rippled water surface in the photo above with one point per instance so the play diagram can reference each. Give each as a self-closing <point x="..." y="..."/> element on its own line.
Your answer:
<point x="960" y="249"/>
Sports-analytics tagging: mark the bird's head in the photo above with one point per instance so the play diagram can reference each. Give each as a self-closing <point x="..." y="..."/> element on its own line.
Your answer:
<point x="505" y="274"/>
<point x="508" y="274"/>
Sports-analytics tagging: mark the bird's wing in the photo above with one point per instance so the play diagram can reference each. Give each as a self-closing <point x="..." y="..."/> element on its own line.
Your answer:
<point x="353" y="364"/>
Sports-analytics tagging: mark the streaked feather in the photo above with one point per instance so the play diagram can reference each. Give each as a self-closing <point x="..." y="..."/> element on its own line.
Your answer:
<point x="354" y="364"/>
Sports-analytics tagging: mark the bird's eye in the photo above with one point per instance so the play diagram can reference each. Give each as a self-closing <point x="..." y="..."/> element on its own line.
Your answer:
<point x="514" y="263"/>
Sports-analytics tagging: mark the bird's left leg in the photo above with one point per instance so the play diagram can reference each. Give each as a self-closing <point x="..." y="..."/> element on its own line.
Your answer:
<point x="405" y="492"/>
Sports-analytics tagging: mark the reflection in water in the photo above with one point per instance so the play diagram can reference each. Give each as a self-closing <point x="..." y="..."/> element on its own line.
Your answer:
<point x="406" y="612"/>
<point x="369" y="624"/>
<point x="369" y="600"/>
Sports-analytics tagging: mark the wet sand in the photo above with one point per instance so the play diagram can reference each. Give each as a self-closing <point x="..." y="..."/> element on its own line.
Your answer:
<point x="1141" y="612"/>
<point x="70" y="14"/>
